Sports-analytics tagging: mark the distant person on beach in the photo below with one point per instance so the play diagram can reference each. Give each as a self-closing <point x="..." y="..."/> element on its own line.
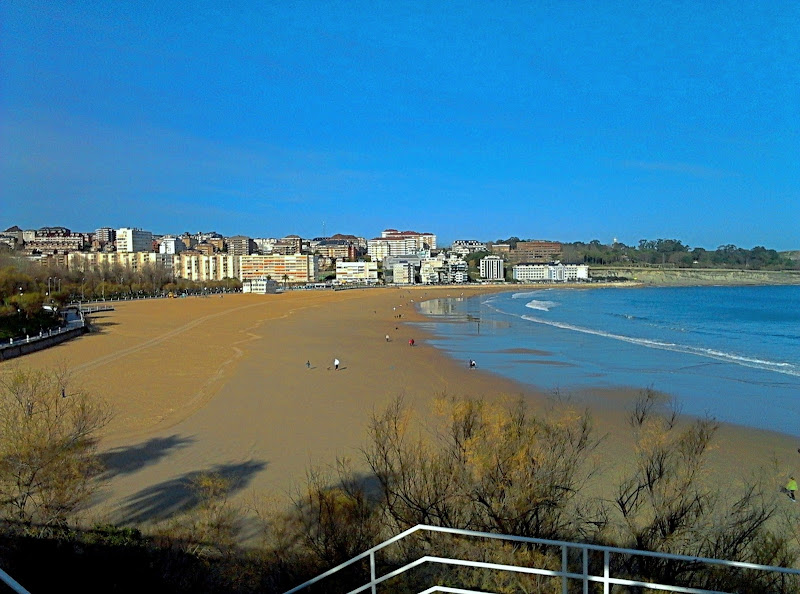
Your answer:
<point x="308" y="364"/>
<point x="472" y="364"/>
<point x="410" y="342"/>
<point x="387" y="338"/>
<point x="336" y="364"/>
<point x="791" y="487"/>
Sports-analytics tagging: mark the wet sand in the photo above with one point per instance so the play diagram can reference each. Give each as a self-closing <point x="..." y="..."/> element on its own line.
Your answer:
<point x="222" y="384"/>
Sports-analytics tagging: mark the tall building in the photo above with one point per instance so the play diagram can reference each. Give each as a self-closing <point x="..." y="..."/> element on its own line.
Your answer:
<point x="492" y="268"/>
<point x="105" y="235"/>
<point x="134" y="240"/>
<point x="170" y="245"/>
<point x="398" y="243"/>
<point x="240" y="245"/>
<point x="296" y="268"/>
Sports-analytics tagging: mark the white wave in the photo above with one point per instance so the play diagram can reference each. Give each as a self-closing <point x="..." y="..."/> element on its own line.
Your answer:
<point x="541" y="305"/>
<point x="528" y="294"/>
<point x="777" y="366"/>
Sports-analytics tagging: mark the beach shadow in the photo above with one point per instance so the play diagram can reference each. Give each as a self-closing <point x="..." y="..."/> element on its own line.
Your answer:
<point x="100" y="327"/>
<point x="130" y="459"/>
<point x="173" y="497"/>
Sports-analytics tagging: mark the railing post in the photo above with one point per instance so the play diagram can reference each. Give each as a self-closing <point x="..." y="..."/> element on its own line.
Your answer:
<point x="585" y="570"/>
<point x="564" y="569"/>
<point x="372" y="571"/>
<point x="606" y="572"/>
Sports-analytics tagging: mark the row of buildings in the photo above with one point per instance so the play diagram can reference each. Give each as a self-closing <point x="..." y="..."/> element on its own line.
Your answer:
<point x="397" y="257"/>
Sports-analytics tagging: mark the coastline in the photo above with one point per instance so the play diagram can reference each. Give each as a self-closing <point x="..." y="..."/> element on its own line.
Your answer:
<point x="240" y="400"/>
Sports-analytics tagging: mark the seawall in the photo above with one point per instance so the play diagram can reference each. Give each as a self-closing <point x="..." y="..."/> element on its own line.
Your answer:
<point x="23" y="347"/>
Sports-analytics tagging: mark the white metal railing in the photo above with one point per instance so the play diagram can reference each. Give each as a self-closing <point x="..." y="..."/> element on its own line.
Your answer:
<point x="12" y="583"/>
<point x="606" y="579"/>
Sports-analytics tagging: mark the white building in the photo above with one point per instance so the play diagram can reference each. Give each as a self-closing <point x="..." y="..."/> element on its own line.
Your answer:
<point x="134" y="240"/>
<point x="398" y="243"/>
<point x="403" y="273"/>
<point x="553" y="272"/>
<point x="170" y="245"/>
<point x="265" y="244"/>
<point x="260" y="286"/>
<point x="576" y="272"/>
<point x="492" y="268"/>
<point x="203" y="267"/>
<point x="465" y="247"/>
<point x="357" y="272"/>
<point x="455" y="271"/>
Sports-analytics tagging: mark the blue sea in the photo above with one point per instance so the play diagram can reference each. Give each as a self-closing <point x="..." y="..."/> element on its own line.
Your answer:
<point x="729" y="352"/>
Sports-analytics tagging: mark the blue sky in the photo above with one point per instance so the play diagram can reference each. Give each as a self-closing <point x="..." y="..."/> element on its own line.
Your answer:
<point x="551" y="120"/>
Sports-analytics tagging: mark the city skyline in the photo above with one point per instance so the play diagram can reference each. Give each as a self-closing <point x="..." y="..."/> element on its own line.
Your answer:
<point x="560" y="122"/>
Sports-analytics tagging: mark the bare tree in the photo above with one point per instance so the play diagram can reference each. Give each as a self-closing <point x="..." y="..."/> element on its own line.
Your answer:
<point x="491" y="467"/>
<point x="669" y="504"/>
<point x="48" y="438"/>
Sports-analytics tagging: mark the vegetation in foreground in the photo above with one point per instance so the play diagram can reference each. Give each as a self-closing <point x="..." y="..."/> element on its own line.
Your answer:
<point x="491" y="467"/>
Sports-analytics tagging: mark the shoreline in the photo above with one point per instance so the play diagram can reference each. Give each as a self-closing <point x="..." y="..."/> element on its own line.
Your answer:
<point x="222" y="385"/>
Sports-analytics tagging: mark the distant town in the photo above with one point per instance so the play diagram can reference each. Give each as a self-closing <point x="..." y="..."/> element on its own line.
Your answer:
<point x="129" y="260"/>
<point x="261" y="264"/>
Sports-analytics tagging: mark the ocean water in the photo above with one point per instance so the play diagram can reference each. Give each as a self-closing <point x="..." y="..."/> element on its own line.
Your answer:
<point x="729" y="352"/>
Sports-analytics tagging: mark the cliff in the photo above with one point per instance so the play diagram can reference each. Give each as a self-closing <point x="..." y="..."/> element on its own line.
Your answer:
<point x="692" y="276"/>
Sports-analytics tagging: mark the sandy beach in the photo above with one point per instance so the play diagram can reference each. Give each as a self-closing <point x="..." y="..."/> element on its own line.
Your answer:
<point x="223" y="385"/>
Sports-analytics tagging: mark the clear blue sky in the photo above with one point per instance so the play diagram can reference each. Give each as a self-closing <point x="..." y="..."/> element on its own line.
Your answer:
<point x="550" y="120"/>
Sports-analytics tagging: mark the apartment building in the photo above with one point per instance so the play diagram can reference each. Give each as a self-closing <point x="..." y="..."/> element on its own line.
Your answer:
<point x="552" y="272"/>
<point x="260" y="286"/>
<point x="398" y="243"/>
<point x="135" y="261"/>
<point x="535" y="251"/>
<point x="171" y="245"/>
<point x="132" y="239"/>
<point x="293" y="268"/>
<point x="338" y="249"/>
<point x="491" y="268"/>
<point x="356" y="272"/>
<point x="241" y="245"/>
<point x="403" y="273"/>
<point x="202" y="267"/>
<point x="465" y="247"/>
<point x="105" y="235"/>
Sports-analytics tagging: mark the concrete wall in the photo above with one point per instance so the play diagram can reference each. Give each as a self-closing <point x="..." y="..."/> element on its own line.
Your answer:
<point x="22" y="347"/>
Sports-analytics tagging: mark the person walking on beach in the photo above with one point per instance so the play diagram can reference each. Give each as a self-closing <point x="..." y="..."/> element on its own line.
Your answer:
<point x="308" y="364"/>
<point x="472" y="364"/>
<point x="410" y="342"/>
<point x="336" y="364"/>
<point x="791" y="487"/>
<point x="387" y="338"/>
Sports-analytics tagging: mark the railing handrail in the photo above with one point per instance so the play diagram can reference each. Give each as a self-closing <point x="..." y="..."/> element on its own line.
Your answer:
<point x="540" y="541"/>
<point x="12" y="583"/>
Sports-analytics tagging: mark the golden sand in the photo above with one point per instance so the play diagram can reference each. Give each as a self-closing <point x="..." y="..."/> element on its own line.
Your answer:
<point x="222" y="384"/>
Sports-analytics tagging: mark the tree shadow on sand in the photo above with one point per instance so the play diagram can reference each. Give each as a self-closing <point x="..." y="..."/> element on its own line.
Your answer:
<point x="170" y="498"/>
<point x="130" y="459"/>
